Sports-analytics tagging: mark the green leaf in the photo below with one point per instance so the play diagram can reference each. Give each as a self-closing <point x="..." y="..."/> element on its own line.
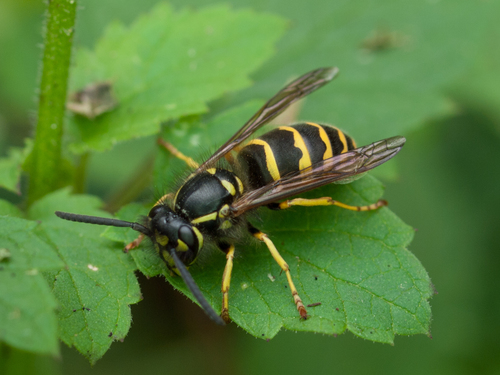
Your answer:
<point x="354" y="263"/>
<point x="27" y="317"/>
<point x="170" y="64"/>
<point x="8" y="209"/>
<point x="96" y="285"/>
<point x="11" y="167"/>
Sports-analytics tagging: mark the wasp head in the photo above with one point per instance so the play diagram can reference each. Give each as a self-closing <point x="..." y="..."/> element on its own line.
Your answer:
<point x="170" y="230"/>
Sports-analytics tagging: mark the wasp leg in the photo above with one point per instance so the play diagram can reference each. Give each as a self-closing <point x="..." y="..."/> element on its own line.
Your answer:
<point x="326" y="201"/>
<point x="166" y="197"/>
<point x="226" y="279"/>
<point x="189" y="161"/>
<point x="284" y="266"/>
<point x="135" y="243"/>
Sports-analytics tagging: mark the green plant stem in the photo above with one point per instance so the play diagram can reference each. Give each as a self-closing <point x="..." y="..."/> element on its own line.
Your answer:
<point x="46" y="160"/>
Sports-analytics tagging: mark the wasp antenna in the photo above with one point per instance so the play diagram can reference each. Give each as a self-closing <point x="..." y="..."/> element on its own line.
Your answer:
<point x="191" y="284"/>
<point x="102" y="221"/>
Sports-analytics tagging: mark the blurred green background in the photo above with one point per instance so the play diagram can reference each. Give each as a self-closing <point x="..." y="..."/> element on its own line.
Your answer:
<point x="428" y="70"/>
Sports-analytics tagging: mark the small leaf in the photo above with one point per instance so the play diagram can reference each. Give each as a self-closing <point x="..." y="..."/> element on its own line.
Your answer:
<point x="27" y="317"/>
<point x="170" y="64"/>
<point x="97" y="284"/>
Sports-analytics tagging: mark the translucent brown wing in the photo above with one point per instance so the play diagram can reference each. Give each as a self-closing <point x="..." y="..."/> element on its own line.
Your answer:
<point x="337" y="168"/>
<point x="278" y="103"/>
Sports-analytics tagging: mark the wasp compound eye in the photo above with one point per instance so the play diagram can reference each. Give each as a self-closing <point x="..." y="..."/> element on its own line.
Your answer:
<point x="187" y="236"/>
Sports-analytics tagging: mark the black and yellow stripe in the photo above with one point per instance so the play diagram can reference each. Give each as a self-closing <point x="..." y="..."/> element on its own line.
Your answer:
<point x="290" y="149"/>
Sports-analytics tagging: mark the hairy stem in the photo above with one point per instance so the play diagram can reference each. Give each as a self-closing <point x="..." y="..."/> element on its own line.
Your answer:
<point x="46" y="160"/>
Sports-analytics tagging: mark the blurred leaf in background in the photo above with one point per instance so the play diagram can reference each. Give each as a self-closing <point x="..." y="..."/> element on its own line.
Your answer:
<point x="155" y="64"/>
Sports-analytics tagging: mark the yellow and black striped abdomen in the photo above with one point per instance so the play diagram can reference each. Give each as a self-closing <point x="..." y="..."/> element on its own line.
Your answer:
<point x="289" y="149"/>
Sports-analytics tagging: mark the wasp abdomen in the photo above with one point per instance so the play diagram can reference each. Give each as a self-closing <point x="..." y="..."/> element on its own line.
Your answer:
<point x="290" y="149"/>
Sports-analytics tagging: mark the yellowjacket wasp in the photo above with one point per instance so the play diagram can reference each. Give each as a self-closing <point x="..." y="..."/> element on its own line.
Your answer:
<point x="212" y="203"/>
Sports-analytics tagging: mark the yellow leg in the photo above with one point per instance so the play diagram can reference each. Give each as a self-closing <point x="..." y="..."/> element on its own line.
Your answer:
<point x="284" y="266"/>
<point x="327" y="201"/>
<point x="190" y="162"/>
<point x="226" y="281"/>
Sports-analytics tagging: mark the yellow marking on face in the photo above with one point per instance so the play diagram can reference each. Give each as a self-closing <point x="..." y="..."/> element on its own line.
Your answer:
<point x="272" y="167"/>
<point x="161" y="239"/>
<point x="200" y="237"/>
<point x="168" y="258"/>
<point x="226" y="225"/>
<point x="229" y="187"/>
<point x="324" y="137"/>
<point x="181" y="246"/>
<point x="211" y="170"/>
<point x="343" y="140"/>
<point x="204" y="218"/>
<point x="240" y="185"/>
<point x="305" y="160"/>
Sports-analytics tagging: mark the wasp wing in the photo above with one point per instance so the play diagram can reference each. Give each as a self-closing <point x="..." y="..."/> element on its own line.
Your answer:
<point x="334" y="169"/>
<point x="278" y="103"/>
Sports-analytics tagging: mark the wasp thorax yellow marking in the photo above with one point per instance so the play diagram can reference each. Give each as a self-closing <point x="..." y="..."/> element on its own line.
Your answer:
<point x="272" y="167"/>
<point x="305" y="160"/>
<point x="181" y="246"/>
<point x="204" y="218"/>
<point x="200" y="237"/>
<point x="224" y="211"/>
<point x="229" y="187"/>
<point x="161" y="239"/>
<point x="240" y="185"/>
<point x="211" y="170"/>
